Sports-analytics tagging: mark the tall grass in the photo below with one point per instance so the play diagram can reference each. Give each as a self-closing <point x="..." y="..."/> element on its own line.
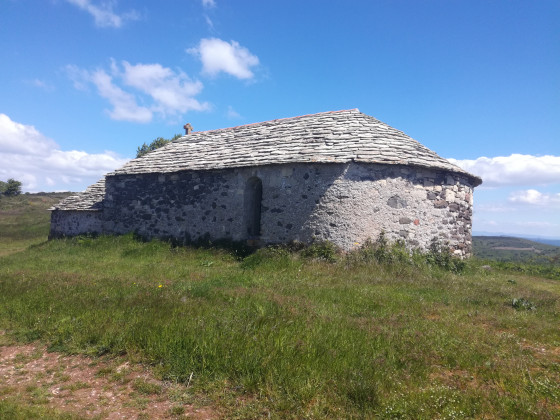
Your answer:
<point x="378" y="333"/>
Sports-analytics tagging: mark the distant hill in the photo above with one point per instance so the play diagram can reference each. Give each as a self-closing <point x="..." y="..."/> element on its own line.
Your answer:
<point x="549" y="240"/>
<point x="555" y="242"/>
<point x="506" y="248"/>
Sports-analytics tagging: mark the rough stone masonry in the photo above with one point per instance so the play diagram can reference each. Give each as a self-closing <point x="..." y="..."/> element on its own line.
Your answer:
<point x="339" y="176"/>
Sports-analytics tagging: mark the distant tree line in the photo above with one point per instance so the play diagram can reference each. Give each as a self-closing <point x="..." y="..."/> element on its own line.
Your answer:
<point x="155" y="144"/>
<point x="10" y="188"/>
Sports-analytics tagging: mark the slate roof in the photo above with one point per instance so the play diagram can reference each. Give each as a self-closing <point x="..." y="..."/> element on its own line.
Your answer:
<point x="90" y="199"/>
<point x="339" y="137"/>
<point x="328" y="137"/>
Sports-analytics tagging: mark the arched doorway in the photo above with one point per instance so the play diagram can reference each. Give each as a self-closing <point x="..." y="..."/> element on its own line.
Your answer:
<point x="253" y="199"/>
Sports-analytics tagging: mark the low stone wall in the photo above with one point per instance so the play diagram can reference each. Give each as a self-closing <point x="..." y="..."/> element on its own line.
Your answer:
<point x="75" y="222"/>
<point x="345" y="203"/>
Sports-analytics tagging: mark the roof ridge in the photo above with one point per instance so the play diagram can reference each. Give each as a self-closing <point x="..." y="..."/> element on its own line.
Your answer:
<point x="267" y="121"/>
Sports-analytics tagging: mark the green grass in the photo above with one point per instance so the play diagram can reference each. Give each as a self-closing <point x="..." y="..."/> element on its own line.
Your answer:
<point x="24" y="220"/>
<point x="290" y="335"/>
<point x="12" y="409"/>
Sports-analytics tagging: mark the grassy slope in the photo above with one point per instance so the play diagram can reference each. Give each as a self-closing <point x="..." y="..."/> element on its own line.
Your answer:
<point x="292" y="337"/>
<point x="24" y="220"/>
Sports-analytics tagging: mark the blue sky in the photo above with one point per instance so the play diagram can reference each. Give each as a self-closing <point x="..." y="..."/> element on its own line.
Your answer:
<point x="83" y="83"/>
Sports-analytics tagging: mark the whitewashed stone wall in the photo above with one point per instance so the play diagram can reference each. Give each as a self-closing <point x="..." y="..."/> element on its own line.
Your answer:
<point x="412" y="204"/>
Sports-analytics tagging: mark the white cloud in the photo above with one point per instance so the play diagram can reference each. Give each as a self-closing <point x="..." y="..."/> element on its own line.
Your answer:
<point x="232" y="113"/>
<point x="124" y="104"/>
<point x="160" y="90"/>
<point x="535" y="198"/>
<point x="41" y="84"/>
<point x="80" y="77"/>
<point x="16" y="138"/>
<point x="512" y="189"/>
<point x="37" y="161"/>
<point x="172" y="92"/>
<point x="515" y="169"/>
<point x="209" y="3"/>
<point x="228" y="57"/>
<point x="209" y="22"/>
<point x="103" y="13"/>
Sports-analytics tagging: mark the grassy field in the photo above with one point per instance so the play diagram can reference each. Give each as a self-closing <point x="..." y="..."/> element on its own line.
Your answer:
<point x="374" y="334"/>
<point x="24" y="220"/>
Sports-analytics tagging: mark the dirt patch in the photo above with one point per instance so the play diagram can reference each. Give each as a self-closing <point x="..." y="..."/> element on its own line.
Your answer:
<point x="433" y="316"/>
<point x="458" y="378"/>
<point x="550" y="353"/>
<point x="105" y="389"/>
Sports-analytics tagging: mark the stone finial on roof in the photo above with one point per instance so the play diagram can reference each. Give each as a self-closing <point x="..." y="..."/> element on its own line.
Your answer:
<point x="188" y="128"/>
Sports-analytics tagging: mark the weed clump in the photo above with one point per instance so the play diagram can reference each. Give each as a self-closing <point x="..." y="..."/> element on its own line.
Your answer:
<point x="439" y="255"/>
<point x="322" y="250"/>
<point x="397" y="253"/>
<point x="522" y="304"/>
<point x="381" y="251"/>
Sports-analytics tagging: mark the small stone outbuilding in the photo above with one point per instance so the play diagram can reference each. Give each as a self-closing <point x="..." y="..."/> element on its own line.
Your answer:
<point x="340" y="176"/>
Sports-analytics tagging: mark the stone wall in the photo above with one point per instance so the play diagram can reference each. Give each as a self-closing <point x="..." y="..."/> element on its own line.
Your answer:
<point x="346" y="203"/>
<point x="412" y="204"/>
<point x="75" y="222"/>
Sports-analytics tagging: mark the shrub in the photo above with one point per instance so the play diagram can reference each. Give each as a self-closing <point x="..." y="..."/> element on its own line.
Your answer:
<point x="10" y="188"/>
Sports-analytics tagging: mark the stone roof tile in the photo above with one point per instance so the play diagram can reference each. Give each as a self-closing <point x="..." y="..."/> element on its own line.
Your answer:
<point x="339" y="136"/>
<point x="90" y="199"/>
